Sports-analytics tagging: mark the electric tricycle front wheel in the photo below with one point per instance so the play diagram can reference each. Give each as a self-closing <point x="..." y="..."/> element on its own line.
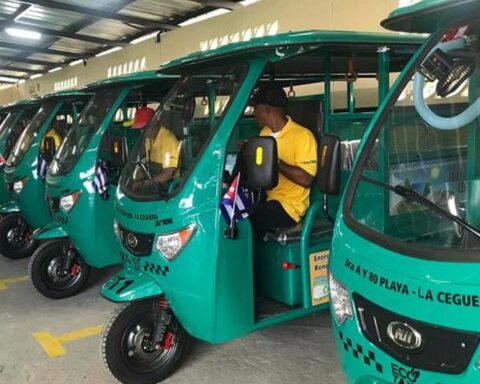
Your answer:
<point x="56" y="269"/>
<point x="16" y="240"/>
<point x="143" y="342"/>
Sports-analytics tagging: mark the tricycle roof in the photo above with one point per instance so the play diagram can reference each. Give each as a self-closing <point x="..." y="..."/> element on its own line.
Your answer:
<point x="139" y="77"/>
<point x="19" y="103"/>
<point x="267" y="47"/>
<point x="427" y="16"/>
<point x="61" y="94"/>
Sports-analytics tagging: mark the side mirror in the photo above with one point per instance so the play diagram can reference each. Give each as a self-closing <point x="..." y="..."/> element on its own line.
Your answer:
<point x="48" y="148"/>
<point x="261" y="162"/>
<point x="118" y="151"/>
<point x="328" y="169"/>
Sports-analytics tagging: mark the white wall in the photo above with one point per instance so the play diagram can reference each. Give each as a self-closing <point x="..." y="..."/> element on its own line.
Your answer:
<point x="262" y="18"/>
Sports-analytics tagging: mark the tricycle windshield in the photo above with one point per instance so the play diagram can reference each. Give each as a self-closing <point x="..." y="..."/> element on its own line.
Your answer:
<point x="79" y="136"/>
<point x="14" y="123"/>
<point x="421" y="196"/>
<point x="30" y="133"/>
<point x="175" y="138"/>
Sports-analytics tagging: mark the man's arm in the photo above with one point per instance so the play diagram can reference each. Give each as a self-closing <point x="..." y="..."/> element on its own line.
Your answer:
<point x="295" y="174"/>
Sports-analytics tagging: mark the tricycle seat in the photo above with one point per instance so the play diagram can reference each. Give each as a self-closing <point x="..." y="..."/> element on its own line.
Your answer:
<point x="284" y="236"/>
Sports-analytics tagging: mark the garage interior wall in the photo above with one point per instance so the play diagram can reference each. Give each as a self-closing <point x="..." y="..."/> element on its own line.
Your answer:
<point x="266" y="17"/>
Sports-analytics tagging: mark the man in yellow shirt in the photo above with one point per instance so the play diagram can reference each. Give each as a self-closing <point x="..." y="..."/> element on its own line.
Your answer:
<point x="163" y="149"/>
<point x="297" y="153"/>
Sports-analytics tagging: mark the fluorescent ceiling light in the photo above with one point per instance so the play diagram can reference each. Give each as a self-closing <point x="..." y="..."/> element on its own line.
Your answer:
<point x="76" y="62"/>
<point x="143" y="38"/>
<point x="108" y="51"/>
<point x="36" y="76"/>
<point x="21" y="81"/>
<point x="204" y="17"/>
<point x="4" y="79"/>
<point x="23" y="33"/>
<point x="55" y="69"/>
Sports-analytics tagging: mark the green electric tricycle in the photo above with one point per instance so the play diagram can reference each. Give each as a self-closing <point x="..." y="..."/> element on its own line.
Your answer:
<point x="404" y="268"/>
<point x="186" y="272"/>
<point x="16" y="117"/>
<point x="25" y="171"/>
<point x="82" y="178"/>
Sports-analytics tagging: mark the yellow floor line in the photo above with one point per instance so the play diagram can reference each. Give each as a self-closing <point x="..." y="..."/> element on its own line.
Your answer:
<point x="4" y="283"/>
<point x="54" y="345"/>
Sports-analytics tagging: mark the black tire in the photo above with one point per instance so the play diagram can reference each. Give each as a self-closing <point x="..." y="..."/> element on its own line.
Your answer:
<point x="12" y="244"/>
<point x="44" y="272"/>
<point x="129" y="328"/>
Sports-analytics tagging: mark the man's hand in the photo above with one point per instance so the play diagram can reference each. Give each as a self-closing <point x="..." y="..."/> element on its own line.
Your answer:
<point x="295" y="174"/>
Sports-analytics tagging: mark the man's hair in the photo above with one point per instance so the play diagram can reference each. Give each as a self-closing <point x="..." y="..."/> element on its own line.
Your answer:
<point x="272" y="95"/>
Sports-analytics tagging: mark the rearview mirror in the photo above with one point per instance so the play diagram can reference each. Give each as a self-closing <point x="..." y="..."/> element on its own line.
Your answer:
<point x="261" y="162"/>
<point x="48" y="148"/>
<point x="328" y="172"/>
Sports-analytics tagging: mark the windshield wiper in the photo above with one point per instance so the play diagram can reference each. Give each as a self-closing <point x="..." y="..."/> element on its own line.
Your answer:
<point x="411" y="195"/>
<point x="160" y="189"/>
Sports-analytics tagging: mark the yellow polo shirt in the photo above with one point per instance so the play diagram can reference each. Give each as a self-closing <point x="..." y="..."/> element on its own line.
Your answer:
<point x="165" y="149"/>
<point x="57" y="139"/>
<point x="296" y="146"/>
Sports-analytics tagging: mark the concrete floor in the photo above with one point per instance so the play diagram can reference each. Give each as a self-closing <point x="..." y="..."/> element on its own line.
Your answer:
<point x="300" y="351"/>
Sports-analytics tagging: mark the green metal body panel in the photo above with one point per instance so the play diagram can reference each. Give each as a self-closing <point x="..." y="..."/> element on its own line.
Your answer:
<point x="131" y="285"/>
<point x="50" y="231"/>
<point x="19" y="108"/>
<point x="31" y="200"/>
<point x="210" y="285"/>
<point x="9" y="207"/>
<point x="427" y="16"/>
<point x="89" y="225"/>
<point x="410" y="287"/>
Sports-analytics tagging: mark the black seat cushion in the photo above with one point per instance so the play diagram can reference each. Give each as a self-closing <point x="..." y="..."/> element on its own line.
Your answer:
<point x="321" y="227"/>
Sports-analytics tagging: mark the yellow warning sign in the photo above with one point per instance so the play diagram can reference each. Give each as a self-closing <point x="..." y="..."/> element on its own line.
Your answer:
<point x="319" y="277"/>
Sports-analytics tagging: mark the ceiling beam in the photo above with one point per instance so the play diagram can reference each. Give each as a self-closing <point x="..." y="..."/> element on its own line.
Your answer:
<point x="231" y="5"/>
<point x="28" y="61"/>
<point x="98" y="13"/>
<point x="33" y="49"/>
<point x="19" y="69"/>
<point x="20" y="10"/>
<point x="11" y="76"/>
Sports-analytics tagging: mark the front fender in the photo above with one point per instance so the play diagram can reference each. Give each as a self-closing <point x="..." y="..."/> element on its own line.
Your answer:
<point x="130" y="286"/>
<point x="49" y="231"/>
<point x="10" y="207"/>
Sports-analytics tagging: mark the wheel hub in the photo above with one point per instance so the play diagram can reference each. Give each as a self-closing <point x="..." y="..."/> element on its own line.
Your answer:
<point x="56" y="273"/>
<point x="140" y="343"/>
<point x="14" y="238"/>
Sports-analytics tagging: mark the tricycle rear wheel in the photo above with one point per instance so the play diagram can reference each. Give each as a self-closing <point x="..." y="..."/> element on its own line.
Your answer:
<point x="56" y="273"/>
<point x="129" y="349"/>
<point x="16" y="240"/>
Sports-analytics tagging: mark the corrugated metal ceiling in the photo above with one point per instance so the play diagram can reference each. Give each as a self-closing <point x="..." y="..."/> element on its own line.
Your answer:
<point x="79" y="29"/>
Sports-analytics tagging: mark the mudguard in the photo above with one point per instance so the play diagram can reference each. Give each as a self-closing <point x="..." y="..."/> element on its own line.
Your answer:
<point x="49" y="231"/>
<point x="130" y="285"/>
<point x="10" y="207"/>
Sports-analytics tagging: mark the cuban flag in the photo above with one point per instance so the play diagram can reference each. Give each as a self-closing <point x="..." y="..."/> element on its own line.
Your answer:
<point x="235" y="199"/>
<point x="42" y="166"/>
<point x="100" y="183"/>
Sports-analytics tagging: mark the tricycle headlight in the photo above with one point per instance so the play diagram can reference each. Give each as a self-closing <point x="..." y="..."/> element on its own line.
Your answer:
<point x="67" y="202"/>
<point x="171" y="244"/>
<point x="340" y="298"/>
<point x="19" y="185"/>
